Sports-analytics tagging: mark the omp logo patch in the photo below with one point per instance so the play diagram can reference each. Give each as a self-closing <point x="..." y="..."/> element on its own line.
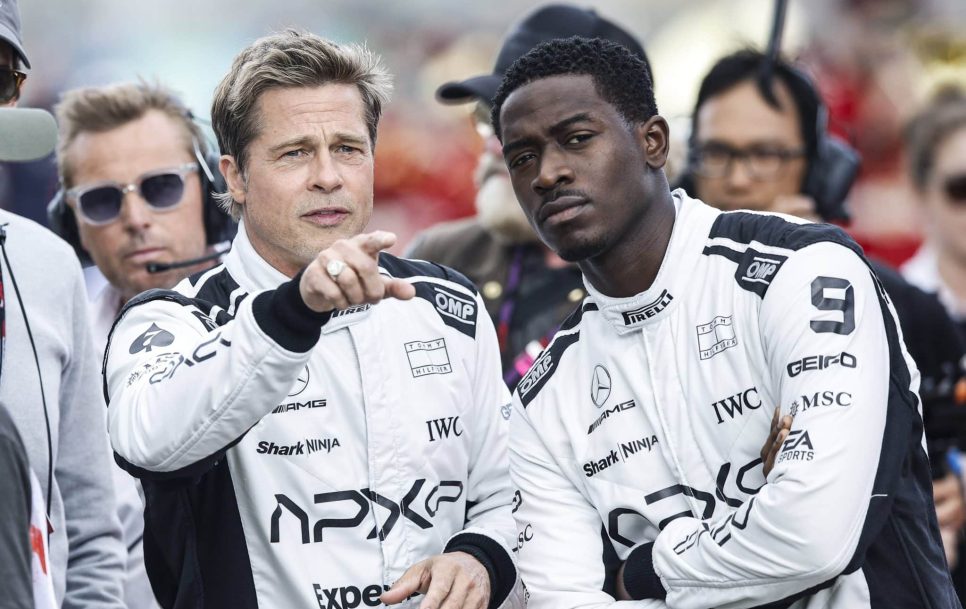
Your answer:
<point x="151" y="338"/>
<point x="460" y="307"/>
<point x="428" y="357"/>
<point x="761" y="270"/>
<point x="539" y="369"/>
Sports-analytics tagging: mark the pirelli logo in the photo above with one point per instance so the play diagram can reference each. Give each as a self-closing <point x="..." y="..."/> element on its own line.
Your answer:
<point x="649" y="310"/>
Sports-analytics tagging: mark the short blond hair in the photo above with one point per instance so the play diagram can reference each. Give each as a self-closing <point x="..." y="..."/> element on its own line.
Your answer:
<point x="101" y="109"/>
<point x="285" y="60"/>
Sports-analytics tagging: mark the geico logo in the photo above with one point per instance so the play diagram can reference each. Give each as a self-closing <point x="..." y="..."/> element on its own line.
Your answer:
<point x="454" y="306"/>
<point x="349" y="597"/>
<point x="604" y="415"/>
<point x="447" y="491"/>
<point x="296" y="406"/>
<point x="825" y="398"/>
<point x="735" y="403"/>
<point x="524" y="536"/>
<point x="540" y="368"/>
<point x="821" y="362"/>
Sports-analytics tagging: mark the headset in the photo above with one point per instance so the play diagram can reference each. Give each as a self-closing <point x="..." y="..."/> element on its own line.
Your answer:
<point x="219" y="225"/>
<point x="832" y="165"/>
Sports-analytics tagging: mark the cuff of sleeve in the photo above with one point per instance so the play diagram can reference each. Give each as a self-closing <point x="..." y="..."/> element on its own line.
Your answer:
<point x="498" y="563"/>
<point x="283" y="315"/>
<point x="640" y="579"/>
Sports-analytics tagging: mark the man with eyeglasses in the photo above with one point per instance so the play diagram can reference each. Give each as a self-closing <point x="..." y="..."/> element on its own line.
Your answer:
<point x="50" y="387"/>
<point x="749" y="152"/>
<point x="527" y="288"/>
<point x="135" y="200"/>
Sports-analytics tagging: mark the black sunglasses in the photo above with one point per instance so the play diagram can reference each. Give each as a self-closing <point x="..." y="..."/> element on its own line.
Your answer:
<point x="10" y="82"/>
<point x="100" y="203"/>
<point x="955" y="188"/>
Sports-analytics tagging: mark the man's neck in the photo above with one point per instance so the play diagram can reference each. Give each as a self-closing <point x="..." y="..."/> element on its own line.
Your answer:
<point x="631" y="265"/>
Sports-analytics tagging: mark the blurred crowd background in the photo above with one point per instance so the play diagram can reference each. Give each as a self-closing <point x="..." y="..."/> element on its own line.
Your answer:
<point x="876" y="61"/>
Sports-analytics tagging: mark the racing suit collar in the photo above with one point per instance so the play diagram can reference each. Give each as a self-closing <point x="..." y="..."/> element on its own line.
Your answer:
<point x="655" y="303"/>
<point x="248" y="268"/>
<point x="254" y="274"/>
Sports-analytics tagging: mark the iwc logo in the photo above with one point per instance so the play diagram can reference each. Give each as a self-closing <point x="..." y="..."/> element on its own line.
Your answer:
<point x="600" y="386"/>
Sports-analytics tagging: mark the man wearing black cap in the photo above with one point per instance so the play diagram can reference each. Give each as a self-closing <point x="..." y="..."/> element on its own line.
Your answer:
<point x="528" y="289"/>
<point x="48" y="376"/>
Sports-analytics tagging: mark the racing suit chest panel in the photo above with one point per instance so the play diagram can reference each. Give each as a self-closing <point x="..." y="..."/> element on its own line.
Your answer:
<point x="684" y="429"/>
<point x="370" y="451"/>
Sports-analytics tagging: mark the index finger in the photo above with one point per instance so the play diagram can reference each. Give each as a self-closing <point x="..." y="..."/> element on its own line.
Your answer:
<point x="374" y="242"/>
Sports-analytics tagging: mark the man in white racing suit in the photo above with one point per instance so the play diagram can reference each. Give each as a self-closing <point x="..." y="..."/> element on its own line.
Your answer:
<point x="313" y="420"/>
<point x="636" y="435"/>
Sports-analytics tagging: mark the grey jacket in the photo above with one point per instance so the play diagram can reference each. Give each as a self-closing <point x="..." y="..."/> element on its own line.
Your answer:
<point x="85" y="545"/>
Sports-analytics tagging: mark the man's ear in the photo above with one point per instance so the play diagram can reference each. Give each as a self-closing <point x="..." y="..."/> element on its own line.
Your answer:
<point x="233" y="178"/>
<point x="653" y="138"/>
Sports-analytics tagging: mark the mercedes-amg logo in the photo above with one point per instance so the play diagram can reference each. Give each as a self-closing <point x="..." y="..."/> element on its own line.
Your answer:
<point x="301" y="382"/>
<point x="600" y="386"/>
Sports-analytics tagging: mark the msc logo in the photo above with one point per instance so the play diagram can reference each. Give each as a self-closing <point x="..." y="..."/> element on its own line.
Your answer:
<point x="760" y="270"/>
<point x="735" y="403"/>
<point x="649" y="310"/>
<point x="797" y="447"/>
<point x="600" y="386"/>
<point x="539" y="369"/>
<point x="455" y="306"/>
<point x="821" y="362"/>
<point x="606" y="414"/>
<point x="822" y="398"/>
<point x="524" y="536"/>
<point x="447" y="491"/>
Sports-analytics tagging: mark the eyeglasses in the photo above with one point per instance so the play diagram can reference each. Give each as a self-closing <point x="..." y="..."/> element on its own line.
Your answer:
<point x="761" y="162"/>
<point x="162" y="190"/>
<point x="10" y="82"/>
<point x="955" y="188"/>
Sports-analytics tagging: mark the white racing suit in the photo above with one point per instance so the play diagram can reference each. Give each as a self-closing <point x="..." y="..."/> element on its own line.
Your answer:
<point x="636" y="434"/>
<point x="287" y="468"/>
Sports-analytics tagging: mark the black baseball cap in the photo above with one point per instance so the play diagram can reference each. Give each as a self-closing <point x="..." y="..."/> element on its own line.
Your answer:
<point x="10" y="28"/>
<point x="546" y="23"/>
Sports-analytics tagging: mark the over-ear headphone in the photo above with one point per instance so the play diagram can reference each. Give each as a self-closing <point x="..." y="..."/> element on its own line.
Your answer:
<point x="219" y="226"/>
<point x="832" y="164"/>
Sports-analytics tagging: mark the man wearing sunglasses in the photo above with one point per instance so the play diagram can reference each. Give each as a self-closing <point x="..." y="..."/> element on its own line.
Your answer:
<point x="49" y="383"/>
<point x="131" y="164"/>
<point x="134" y="196"/>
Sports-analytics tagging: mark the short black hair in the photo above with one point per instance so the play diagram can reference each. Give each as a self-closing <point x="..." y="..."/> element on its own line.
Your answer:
<point x="749" y="64"/>
<point x="621" y="78"/>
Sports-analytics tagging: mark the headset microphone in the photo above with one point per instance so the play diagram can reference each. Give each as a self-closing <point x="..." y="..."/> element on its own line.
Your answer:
<point x="161" y="267"/>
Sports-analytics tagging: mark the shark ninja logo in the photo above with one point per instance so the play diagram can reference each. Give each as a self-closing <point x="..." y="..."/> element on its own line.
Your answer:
<point x="151" y="338"/>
